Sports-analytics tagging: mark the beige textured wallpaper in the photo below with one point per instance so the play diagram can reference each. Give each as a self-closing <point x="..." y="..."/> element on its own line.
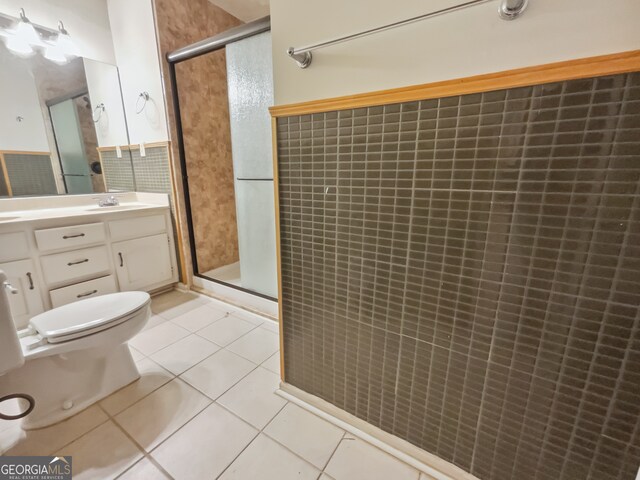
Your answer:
<point x="90" y="140"/>
<point x="205" y="117"/>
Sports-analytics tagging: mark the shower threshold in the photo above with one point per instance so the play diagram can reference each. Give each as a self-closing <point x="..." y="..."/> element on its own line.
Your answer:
<point x="227" y="274"/>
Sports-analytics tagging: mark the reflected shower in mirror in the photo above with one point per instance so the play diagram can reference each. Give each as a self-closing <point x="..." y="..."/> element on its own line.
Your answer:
<point x="61" y="127"/>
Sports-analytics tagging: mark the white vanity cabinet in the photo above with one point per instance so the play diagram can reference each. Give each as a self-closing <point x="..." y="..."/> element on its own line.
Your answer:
<point x="27" y="300"/>
<point x="55" y="261"/>
<point x="143" y="261"/>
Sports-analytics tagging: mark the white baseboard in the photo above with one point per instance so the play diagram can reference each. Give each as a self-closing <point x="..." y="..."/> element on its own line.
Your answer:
<point x="426" y="462"/>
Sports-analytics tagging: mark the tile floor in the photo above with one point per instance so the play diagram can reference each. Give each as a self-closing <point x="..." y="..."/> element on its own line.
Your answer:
<point x="205" y="407"/>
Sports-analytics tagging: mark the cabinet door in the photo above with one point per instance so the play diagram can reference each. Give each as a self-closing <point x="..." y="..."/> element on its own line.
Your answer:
<point x="143" y="262"/>
<point x="27" y="302"/>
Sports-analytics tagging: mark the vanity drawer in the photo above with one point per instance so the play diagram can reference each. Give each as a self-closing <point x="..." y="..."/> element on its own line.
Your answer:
<point x="13" y="246"/>
<point x="78" y="264"/>
<point x="137" y="227"/>
<point x="69" y="237"/>
<point x="80" y="291"/>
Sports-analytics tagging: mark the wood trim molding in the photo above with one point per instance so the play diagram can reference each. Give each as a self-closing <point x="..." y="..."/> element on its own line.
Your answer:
<point x="25" y="152"/>
<point x="135" y="146"/>
<point x="616" y="63"/>
<point x="5" y="174"/>
<point x="276" y="198"/>
<point x="177" y="216"/>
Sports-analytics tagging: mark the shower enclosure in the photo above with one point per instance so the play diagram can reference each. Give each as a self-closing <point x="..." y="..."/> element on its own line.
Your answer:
<point x="222" y="89"/>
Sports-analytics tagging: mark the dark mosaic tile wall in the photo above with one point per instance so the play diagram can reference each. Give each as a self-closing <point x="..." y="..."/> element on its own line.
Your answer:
<point x="30" y="174"/>
<point x="465" y="273"/>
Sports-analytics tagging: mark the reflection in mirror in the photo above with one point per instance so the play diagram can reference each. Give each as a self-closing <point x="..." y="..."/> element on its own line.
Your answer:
<point x="54" y="122"/>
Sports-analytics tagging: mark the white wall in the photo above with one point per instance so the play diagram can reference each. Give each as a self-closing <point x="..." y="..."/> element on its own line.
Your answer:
<point x="460" y="44"/>
<point x="19" y="97"/>
<point x="134" y="40"/>
<point x="104" y="87"/>
<point x="86" y="20"/>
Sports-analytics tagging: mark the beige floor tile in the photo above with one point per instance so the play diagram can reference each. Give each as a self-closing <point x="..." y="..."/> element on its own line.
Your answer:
<point x="152" y="377"/>
<point x="135" y="354"/>
<point x="155" y="417"/>
<point x="226" y="330"/>
<point x="265" y="459"/>
<point x="143" y="470"/>
<point x="185" y="353"/>
<point x="154" y="321"/>
<point x="220" y="308"/>
<point x="205" y="446"/>
<point x="45" y="441"/>
<point x="257" y="345"/>
<point x="156" y="338"/>
<point x="247" y="315"/>
<point x="198" y="318"/>
<point x="306" y="434"/>
<point x="104" y="452"/>
<point x="175" y="303"/>
<point x="273" y="363"/>
<point x="253" y="398"/>
<point x="357" y="460"/>
<point x="217" y="373"/>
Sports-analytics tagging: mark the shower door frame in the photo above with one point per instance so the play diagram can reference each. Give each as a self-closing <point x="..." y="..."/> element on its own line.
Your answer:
<point x="209" y="45"/>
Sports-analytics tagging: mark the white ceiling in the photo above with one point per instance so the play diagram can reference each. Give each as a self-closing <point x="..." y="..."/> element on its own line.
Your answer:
<point x="245" y="10"/>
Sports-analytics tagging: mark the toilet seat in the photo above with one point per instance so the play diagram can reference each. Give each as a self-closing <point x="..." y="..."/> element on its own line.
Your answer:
<point x="89" y="316"/>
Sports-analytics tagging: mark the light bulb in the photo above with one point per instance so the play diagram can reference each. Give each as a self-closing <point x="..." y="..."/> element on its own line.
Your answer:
<point x="66" y="43"/>
<point x="25" y="31"/>
<point x="19" y="46"/>
<point x="55" y="54"/>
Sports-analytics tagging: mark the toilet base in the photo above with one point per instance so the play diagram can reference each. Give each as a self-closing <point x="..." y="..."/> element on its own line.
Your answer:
<point x="63" y="385"/>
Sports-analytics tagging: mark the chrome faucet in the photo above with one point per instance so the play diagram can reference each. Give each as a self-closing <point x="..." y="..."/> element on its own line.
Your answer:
<point x="110" y="201"/>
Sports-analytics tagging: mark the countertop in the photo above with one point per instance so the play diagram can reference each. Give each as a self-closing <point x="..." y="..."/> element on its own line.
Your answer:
<point x="19" y="216"/>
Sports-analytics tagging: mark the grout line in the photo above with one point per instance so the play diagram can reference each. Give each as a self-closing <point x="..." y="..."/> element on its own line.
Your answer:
<point x="145" y="395"/>
<point x="344" y="434"/>
<point x="260" y="431"/>
<point x="145" y="454"/>
<point x="79" y="436"/>
<point x="368" y="438"/>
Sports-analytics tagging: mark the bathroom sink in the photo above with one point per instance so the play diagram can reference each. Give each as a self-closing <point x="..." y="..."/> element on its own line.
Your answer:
<point x="115" y="208"/>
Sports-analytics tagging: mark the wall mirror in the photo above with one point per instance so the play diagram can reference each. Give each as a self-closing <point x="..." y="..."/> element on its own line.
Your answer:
<point x="62" y="122"/>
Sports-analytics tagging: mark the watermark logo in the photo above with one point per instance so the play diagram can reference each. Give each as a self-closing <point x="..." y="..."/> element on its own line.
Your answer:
<point x="35" y="468"/>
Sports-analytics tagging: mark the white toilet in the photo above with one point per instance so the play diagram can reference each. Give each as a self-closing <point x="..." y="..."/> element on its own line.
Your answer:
<point x="72" y="356"/>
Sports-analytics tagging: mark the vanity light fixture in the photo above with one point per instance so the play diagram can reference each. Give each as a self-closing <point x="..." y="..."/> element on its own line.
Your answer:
<point x="22" y="37"/>
<point x="61" y="48"/>
<point x="65" y="43"/>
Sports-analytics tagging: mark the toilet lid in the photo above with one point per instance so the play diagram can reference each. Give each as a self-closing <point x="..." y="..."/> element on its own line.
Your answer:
<point x="86" y="316"/>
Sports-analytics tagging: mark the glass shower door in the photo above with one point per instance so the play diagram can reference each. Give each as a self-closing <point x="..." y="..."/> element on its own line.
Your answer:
<point x="250" y="90"/>
<point x="73" y="161"/>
